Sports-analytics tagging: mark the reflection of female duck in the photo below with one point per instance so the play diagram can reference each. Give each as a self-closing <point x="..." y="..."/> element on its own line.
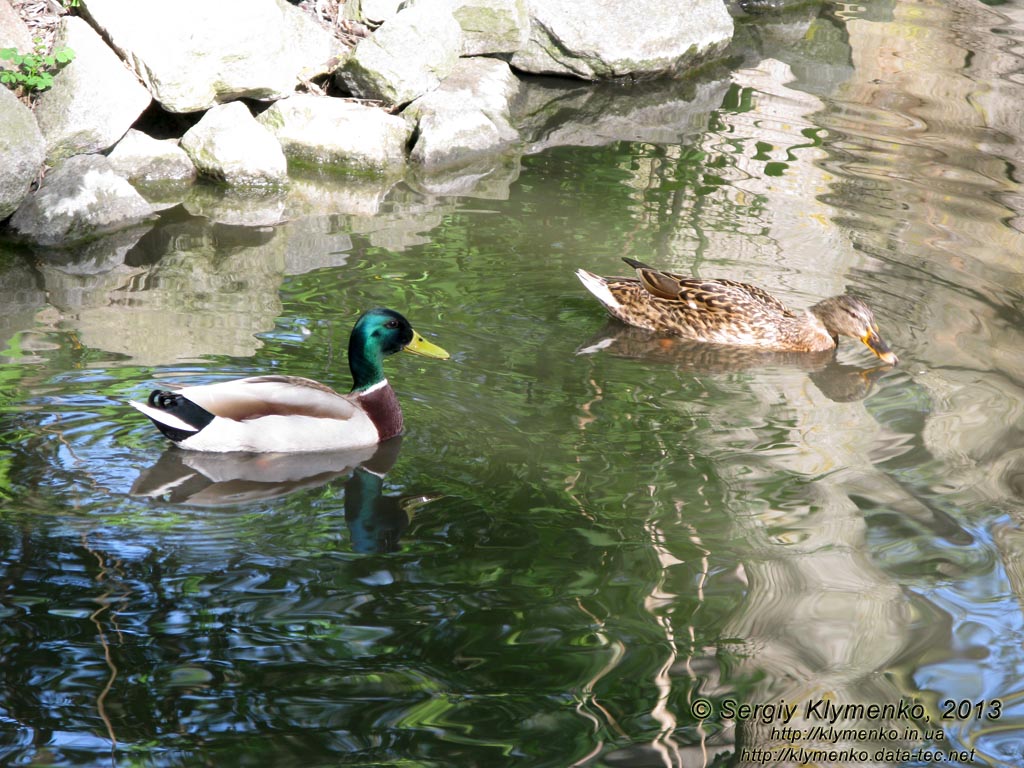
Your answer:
<point x="733" y="313"/>
<point x="838" y="382"/>
<point x="288" y="413"/>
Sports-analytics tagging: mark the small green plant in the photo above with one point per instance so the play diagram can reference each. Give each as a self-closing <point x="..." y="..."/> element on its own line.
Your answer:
<point x="33" y="72"/>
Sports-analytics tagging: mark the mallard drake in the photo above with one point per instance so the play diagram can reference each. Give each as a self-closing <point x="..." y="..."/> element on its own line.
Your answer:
<point x="290" y="414"/>
<point x="730" y="312"/>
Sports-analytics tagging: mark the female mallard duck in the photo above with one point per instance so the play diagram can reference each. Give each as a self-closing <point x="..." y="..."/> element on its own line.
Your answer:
<point x="729" y="312"/>
<point x="288" y="413"/>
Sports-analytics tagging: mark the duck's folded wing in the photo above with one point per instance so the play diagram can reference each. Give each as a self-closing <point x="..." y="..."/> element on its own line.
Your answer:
<point x="718" y="295"/>
<point x="252" y="398"/>
<point x="759" y="295"/>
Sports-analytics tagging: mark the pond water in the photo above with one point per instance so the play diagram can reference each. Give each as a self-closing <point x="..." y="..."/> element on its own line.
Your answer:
<point x="591" y="546"/>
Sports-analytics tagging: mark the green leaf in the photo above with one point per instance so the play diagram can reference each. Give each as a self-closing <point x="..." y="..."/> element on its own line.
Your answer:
<point x="40" y="82"/>
<point x="7" y="54"/>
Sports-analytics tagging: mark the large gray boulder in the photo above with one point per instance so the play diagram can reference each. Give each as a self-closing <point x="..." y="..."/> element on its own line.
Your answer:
<point x="467" y="116"/>
<point x="22" y="151"/>
<point x="230" y="146"/>
<point x="491" y="26"/>
<point x="79" y="199"/>
<point x="407" y="56"/>
<point x="142" y="159"/>
<point x="604" y="39"/>
<point x="94" y="99"/>
<point x="322" y="131"/>
<point x="13" y="32"/>
<point x="193" y="54"/>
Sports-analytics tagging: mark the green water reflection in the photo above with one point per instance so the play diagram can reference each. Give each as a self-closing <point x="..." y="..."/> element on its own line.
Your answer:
<point x="585" y="530"/>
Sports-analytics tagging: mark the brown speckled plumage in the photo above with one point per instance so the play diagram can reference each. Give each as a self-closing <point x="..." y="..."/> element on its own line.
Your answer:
<point x="731" y="312"/>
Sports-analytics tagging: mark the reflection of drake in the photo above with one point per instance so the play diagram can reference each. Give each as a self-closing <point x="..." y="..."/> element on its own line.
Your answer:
<point x="375" y="521"/>
<point x="224" y="479"/>
<point x="838" y="382"/>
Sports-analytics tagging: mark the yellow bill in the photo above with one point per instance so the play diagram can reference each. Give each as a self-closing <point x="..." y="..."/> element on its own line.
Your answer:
<point x="421" y="346"/>
<point x="874" y="342"/>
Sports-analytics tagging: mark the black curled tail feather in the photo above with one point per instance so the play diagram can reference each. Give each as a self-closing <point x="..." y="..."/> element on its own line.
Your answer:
<point x="181" y="408"/>
<point x="635" y="264"/>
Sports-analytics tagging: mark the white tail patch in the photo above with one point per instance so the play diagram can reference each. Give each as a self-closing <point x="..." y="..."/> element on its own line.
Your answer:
<point x="163" y="417"/>
<point x="597" y="286"/>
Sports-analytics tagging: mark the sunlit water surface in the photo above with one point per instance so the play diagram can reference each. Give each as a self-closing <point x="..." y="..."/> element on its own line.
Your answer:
<point x="592" y="546"/>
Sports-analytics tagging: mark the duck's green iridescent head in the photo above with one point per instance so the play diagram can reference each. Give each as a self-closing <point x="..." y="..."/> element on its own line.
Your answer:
<point x="378" y="333"/>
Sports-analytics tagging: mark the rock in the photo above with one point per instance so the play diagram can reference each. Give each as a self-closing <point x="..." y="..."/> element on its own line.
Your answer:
<point x="193" y="54"/>
<point x="79" y="199"/>
<point x="321" y="131"/>
<point x="13" y="32"/>
<point x="94" y="99"/>
<point x="492" y="26"/>
<point x="22" y="151"/>
<point x="467" y="116"/>
<point x="230" y="146"/>
<point x="370" y="11"/>
<point x="406" y="57"/>
<point x="142" y="159"/>
<point x="603" y="39"/>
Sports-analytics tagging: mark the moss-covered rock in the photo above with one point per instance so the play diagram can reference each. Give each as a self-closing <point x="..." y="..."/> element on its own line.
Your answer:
<point x="94" y="99"/>
<point x="467" y="117"/>
<point x="341" y="135"/>
<point x="22" y="151"/>
<point x="80" y="199"/>
<point x="229" y="145"/>
<point x="406" y="57"/>
<point x="607" y="39"/>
